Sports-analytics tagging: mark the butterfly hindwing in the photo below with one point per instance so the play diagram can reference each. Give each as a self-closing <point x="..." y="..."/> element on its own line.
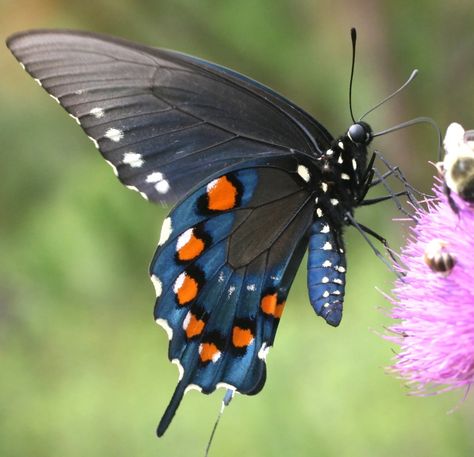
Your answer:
<point x="163" y="120"/>
<point x="224" y="268"/>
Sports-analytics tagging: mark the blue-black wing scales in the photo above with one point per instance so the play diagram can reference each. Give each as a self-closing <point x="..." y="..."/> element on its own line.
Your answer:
<point x="228" y="255"/>
<point x="163" y="120"/>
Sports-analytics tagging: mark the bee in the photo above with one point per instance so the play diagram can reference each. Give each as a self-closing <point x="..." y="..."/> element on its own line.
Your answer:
<point x="438" y="257"/>
<point x="457" y="168"/>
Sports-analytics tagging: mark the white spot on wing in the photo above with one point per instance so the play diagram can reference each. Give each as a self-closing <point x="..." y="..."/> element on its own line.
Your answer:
<point x="166" y="230"/>
<point x="230" y="291"/>
<point x="251" y="287"/>
<point x="329" y="152"/>
<point x="325" y="280"/>
<point x="341" y="145"/>
<point x="114" y="168"/>
<point x="341" y="269"/>
<point x="304" y="172"/>
<point x="56" y="99"/>
<point x="327" y="263"/>
<point x="134" y="188"/>
<point x="183" y="239"/>
<point x="97" y="112"/>
<point x="326" y="294"/>
<point x="319" y="212"/>
<point x="327" y="246"/>
<point x="75" y="118"/>
<point x="324" y="186"/>
<point x="94" y="141"/>
<point x="345" y="176"/>
<point x="133" y="159"/>
<point x="192" y="387"/>
<point x="225" y="385"/>
<point x="114" y="135"/>
<point x="211" y="185"/>
<point x="162" y="187"/>
<point x="263" y="351"/>
<point x="354" y="164"/>
<point x="157" y="284"/>
<point x="179" y="282"/>
<point x="163" y="323"/>
<point x="180" y="368"/>
<point x="325" y="229"/>
<point x="186" y="321"/>
<point x="337" y="281"/>
<point x="340" y="159"/>
<point x="154" y="177"/>
<point x="334" y="201"/>
<point x="39" y="82"/>
<point x="22" y="65"/>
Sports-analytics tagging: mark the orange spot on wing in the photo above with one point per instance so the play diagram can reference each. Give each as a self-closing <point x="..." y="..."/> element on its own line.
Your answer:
<point x="188" y="290"/>
<point x="222" y="195"/>
<point x="241" y="337"/>
<point x="279" y="309"/>
<point x="209" y="352"/>
<point x="269" y="303"/>
<point x="191" y="249"/>
<point x="195" y="326"/>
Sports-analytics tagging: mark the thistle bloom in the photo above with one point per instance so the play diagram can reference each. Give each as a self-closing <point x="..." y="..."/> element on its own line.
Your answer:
<point x="434" y="301"/>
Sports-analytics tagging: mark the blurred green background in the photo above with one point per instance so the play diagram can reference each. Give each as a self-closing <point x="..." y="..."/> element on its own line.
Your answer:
<point x="84" y="370"/>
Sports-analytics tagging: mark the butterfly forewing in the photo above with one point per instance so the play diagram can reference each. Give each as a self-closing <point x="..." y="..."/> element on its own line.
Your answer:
<point x="165" y="121"/>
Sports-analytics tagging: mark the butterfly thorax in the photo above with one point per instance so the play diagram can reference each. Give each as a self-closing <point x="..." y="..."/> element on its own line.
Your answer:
<point x="343" y="169"/>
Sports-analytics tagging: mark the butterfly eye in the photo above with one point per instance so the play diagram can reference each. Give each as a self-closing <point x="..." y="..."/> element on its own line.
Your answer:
<point x="360" y="133"/>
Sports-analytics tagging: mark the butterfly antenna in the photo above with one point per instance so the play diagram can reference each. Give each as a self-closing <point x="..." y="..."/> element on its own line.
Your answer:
<point x="225" y="402"/>
<point x="353" y="40"/>
<point x="386" y="99"/>
<point x="418" y="120"/>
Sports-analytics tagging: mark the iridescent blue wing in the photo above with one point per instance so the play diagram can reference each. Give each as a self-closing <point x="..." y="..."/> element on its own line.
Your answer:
<point x="163" y="120"/>
<point x="227" y="257"/>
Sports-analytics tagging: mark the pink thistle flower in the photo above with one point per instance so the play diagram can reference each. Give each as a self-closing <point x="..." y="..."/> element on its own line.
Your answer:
<point x="434" y="302"/>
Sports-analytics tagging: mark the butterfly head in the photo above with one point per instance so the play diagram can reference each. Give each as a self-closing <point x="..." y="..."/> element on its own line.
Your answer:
<point x="360" y="133"/>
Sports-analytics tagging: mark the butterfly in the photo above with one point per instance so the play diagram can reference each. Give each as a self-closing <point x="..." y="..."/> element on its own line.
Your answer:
<point x="256" y="181"/>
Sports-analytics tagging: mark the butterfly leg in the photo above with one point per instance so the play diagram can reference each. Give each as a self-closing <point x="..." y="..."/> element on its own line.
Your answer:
<point x="364" y="231"/>
<point x="395" y="170"/>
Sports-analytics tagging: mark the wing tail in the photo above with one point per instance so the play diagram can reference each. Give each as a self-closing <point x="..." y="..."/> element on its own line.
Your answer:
<point x="171" y="408"/>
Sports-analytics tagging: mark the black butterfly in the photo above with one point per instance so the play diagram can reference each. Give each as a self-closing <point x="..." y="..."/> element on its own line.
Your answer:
<point x="256" y="179"/>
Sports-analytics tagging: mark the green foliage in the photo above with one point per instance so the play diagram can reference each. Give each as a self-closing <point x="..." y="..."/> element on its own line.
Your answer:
<point x="84" y="370"/>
